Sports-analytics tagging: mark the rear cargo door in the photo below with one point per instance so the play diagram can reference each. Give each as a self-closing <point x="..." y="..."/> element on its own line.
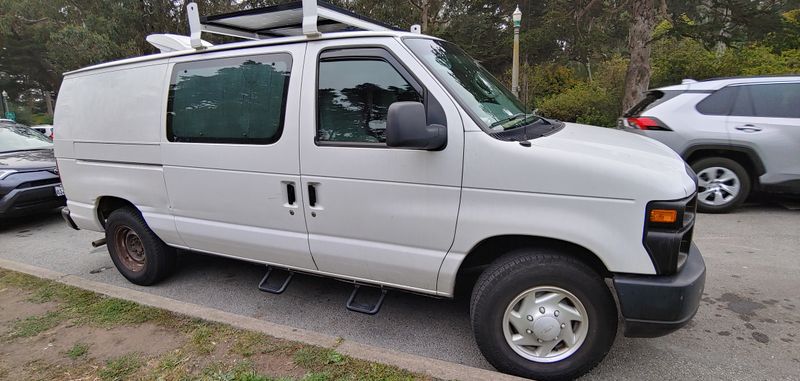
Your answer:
<point x="230" y="149"/>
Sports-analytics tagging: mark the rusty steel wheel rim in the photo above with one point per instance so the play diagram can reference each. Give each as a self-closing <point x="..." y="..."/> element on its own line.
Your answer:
<point x="129" y="248"/>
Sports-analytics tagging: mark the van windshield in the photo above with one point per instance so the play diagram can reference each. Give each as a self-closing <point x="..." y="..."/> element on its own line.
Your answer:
<point x="480" y="93"/>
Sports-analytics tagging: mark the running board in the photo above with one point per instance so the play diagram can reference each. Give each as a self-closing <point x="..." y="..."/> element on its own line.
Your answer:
<point x="370" y="307"/>
<point x="275" y="280"/>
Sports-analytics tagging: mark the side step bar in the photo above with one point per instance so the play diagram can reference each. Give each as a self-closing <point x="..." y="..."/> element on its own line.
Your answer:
<point x="369" y="307"/>
<point x="275" y="280"/>
<point x="364" y="299"/>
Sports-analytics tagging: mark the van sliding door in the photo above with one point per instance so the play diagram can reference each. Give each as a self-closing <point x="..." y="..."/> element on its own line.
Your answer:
<point x="231" y="160"/>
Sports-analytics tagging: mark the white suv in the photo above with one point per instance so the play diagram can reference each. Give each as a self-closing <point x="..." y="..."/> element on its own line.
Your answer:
<point x="738" y="134"/>
<point x="389" y="160"/>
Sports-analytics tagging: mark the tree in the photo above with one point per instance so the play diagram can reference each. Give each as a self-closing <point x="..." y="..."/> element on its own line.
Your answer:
<point x="637" y="77"/>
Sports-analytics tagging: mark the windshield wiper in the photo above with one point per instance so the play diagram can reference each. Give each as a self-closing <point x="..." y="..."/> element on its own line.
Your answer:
<point x="506" y="120"/>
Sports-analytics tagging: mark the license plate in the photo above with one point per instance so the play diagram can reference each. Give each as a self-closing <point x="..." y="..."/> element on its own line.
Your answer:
<point x="59" y="190"/>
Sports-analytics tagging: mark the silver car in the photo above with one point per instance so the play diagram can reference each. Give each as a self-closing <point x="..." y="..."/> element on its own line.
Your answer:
<point x="738" y="134"/>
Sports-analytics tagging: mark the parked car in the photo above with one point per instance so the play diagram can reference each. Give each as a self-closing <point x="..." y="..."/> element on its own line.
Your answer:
<point x="29" y="181"/>
<point x="738" y="134"/>
<point x="390" y="160"/>
<point x="44" y="129"/>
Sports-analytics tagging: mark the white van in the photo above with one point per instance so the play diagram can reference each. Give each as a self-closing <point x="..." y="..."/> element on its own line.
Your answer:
<point x="388" y="159"/>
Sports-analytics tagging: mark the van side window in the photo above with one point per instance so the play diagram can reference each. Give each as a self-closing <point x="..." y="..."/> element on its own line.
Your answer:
<point x="353" y="98"/>
<point x="238" y="100"/>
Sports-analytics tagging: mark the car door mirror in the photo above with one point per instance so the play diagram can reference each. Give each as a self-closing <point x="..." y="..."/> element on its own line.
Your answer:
<point x="407" y="127"/>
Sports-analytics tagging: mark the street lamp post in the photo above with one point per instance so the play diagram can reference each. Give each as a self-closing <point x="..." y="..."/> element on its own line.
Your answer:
<point x="517" y="17"/>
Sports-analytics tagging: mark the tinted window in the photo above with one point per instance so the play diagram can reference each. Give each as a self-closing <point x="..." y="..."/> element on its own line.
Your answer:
<point x="718" y="103"/>
<point x="353" y="98"/>
<point x="777" y="100"/>
<point x="743" y="103"/>
<point x="651" y="99"/>
<point x="233" y="100"/>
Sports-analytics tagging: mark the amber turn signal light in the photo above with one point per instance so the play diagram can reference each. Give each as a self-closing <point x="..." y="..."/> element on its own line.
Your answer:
<point x="663" y="216"/>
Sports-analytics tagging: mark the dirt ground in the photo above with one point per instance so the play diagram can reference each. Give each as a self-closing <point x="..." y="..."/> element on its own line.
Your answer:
<point x="49" y="331"/>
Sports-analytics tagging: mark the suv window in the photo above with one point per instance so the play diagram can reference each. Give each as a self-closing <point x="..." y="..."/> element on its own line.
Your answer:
<point x="233" y="100"/>
<point x="651" y="99"/>
<point x="719" y="102"/>
<point x="353" y="98"/>
<point x="775" y="100"/>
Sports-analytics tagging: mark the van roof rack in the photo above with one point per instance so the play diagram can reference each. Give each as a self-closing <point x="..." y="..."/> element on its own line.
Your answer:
<point x="306" y="17"/>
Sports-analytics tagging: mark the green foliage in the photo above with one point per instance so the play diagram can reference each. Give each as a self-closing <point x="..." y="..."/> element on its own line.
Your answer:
<point x="35" y="325"/>
<point x="75" y="46"/>
<point x="588" y="103"/>
<point x="677" y="59"/>
<point x="121" y="368"/>
<point x="242" y="371"/>
<point x="203" y="339"/>
<point x="78" y="350"/>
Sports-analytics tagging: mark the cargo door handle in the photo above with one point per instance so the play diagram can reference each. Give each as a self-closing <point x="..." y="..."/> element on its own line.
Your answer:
<point x="748" y="128"/>
<point x="312" y="195"/>
<point x="291" y="197"/>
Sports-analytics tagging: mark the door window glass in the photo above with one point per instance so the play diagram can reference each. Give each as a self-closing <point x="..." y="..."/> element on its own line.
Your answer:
<point x="354" y="96"/>
<point x="233" y="100"/>
<point x="743" y="104"/>
<point x="718" y="103"/>
<point x="776" y="100"/>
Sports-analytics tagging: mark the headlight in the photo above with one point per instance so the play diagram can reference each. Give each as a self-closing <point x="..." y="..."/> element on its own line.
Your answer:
<point x="5" y="172"/>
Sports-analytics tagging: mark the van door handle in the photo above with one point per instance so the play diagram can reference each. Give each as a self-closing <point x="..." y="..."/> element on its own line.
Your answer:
<point x="748" y="128"/>
<point x="312" y="195"/>
<point x="291" y="197"/>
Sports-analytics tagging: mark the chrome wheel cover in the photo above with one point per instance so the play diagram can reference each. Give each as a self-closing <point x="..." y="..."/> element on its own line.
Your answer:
<point x="545" y="324"/>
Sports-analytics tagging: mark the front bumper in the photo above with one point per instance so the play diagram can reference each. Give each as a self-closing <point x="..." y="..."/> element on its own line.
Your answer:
<point x="23" y="201"/>
<point x="655" y="305"/>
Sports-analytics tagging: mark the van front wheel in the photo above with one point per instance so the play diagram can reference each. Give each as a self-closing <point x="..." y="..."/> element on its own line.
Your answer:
<point x="542" y="315"/>
<point x="137" y="252"/>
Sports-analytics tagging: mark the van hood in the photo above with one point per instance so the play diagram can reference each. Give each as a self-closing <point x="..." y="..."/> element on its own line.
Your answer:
<point x="614" y="163"/>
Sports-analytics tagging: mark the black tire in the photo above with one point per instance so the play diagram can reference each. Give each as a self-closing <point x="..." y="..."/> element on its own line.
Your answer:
<point x="154" y="262"/>
<point x="517" y="272"/>
<point x="731" y="165"/>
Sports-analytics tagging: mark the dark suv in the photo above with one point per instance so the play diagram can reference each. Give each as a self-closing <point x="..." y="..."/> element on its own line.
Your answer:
<point x="29" y="181"/>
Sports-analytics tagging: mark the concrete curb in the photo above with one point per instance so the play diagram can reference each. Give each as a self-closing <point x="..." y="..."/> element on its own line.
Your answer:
<point x="419" y="364"/>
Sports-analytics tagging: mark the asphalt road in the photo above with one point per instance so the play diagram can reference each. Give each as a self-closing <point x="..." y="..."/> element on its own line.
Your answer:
<point x="747" y="328"/>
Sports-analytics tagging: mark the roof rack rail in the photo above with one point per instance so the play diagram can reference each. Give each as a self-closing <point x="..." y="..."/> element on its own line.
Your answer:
<point x="307" y="17"/>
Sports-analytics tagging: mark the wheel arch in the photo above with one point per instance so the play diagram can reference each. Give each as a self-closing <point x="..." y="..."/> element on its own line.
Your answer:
<point x="746" y="156"/>
<point x="490" y="249"/>
<point x="108" y="204"/>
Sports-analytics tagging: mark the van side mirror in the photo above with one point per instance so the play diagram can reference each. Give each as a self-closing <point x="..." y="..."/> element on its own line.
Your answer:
<point x="407" y="127"/>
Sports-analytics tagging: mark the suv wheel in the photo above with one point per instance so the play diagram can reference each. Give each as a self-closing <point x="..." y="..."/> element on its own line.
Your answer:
<point x="544" y="316"/>
<point x="137" y="252"/>
<point x="722" y="184"/>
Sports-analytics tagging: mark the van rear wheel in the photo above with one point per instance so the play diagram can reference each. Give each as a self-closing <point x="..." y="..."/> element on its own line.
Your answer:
<point x="137" y="252"/>
<point x="542" y="315"/>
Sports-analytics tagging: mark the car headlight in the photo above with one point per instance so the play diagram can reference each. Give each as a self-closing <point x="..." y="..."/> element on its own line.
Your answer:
<point x="5" y="172"/>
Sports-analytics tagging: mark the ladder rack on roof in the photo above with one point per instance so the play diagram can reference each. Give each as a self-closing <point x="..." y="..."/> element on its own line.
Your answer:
<point x="306" y="17"/>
